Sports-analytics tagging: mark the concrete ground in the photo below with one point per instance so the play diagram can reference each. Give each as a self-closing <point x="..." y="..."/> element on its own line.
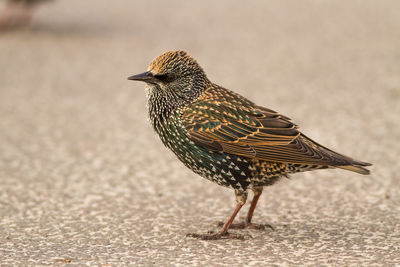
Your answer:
<point x="84" y="181"/>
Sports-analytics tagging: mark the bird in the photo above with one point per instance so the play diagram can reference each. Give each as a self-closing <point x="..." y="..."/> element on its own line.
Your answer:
<point x="226" y="138"/>
<point x="18" y="13"/>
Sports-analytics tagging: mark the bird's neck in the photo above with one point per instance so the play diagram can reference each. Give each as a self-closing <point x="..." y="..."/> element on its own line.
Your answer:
<point x="163" y="104"/>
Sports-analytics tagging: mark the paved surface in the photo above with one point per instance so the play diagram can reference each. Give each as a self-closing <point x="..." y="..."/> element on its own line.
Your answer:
<point x="85" y="181"/>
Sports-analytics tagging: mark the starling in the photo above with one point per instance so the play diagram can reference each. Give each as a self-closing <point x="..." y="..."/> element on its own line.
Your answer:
<point x="226" y="138"/>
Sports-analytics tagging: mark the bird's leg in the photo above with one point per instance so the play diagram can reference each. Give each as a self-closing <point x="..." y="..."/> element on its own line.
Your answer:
<point x="257" y="193"/>
<point x="247" y="223"/>
<point x="241" y="197"/>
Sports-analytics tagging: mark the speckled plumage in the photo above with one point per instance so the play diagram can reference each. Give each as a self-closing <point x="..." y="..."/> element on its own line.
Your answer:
<point x="225" y="137"/>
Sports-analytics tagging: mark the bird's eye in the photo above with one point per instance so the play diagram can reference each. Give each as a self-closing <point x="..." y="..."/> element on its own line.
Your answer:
<point x="166" y="78"/>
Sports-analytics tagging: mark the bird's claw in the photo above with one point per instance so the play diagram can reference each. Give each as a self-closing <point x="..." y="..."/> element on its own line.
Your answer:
<point x="244" y="225"/>
<point x="215" y="236"/>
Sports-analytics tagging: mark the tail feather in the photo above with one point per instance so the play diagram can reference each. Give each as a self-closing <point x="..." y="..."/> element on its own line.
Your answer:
<point x="356" y="168"/>
<point x="341" y="161"/>
<point x="361" y="163"/>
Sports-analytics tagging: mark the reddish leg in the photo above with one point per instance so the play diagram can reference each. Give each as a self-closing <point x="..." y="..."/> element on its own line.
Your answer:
<point x="247" y="223"/>
<point x="223" y="233"/>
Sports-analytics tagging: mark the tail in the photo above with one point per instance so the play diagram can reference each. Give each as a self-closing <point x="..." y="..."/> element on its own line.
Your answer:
<point x="339" y="160"/>
<point x="357" y="167"/>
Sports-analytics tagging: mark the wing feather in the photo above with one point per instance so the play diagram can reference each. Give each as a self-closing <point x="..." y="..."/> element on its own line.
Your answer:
<point x="234" y="125"/>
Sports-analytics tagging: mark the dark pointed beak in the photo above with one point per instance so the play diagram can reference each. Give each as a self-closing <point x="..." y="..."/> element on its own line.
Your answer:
<point x="144" y="77"/>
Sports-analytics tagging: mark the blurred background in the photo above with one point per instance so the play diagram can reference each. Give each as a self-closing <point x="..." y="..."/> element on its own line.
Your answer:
<point x="83" y="177"/>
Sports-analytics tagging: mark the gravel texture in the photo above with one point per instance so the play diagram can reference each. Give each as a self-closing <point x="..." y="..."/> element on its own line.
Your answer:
<point x="84" y="181"/>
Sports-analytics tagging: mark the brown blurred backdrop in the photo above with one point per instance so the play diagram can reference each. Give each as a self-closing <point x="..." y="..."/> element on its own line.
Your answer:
<point x="83" y="177"/>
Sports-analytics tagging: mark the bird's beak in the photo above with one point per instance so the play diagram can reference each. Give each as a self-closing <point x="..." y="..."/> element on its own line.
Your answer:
<point x="144" y="77"/>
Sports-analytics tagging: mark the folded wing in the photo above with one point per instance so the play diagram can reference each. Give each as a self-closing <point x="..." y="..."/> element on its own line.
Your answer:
<point x="239" y="127"/>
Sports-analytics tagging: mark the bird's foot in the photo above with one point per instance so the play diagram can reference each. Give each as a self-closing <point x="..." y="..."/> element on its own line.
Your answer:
<point x="244" y="225"/>
<point x="215" y="236"/>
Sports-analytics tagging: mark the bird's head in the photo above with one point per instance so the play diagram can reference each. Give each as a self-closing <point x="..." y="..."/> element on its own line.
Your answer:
<point x="174" y="74"/>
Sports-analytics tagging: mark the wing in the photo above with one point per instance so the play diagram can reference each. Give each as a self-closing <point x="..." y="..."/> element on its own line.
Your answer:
<point x="223" y="121"/>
